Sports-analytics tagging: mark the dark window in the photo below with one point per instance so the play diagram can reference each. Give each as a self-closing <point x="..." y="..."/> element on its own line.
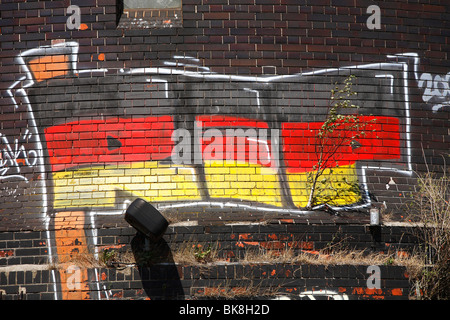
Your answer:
<point x="142" y="14"/>
<point x="151" y="4"/>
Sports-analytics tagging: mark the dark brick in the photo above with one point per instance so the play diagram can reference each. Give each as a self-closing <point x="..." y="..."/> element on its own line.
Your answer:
<point x="261" y="38"/>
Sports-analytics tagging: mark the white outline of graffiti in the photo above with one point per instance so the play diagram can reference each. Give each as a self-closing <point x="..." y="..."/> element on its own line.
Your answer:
<point x="214" y="76"/>
<point x="312" y="294"/>
<point x="18" y="89"/>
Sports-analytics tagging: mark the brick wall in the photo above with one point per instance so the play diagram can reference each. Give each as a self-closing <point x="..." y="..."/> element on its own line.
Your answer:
<point x="77" y="101"/>
<point x="274" y="281"/>
<point x="25" y="265"/>
<point x="98" y="109"/>
<point x="32" y="247"/>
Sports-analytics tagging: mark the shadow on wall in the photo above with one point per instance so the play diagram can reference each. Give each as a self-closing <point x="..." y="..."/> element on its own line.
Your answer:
<point x="157" y="269"/>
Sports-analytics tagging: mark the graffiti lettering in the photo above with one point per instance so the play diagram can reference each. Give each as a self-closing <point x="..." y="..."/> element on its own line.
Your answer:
<point x="436" y="90"/>
<point x="15" y="155"/>
<point x="324" y="294"/>
<point x="327" y="294"/>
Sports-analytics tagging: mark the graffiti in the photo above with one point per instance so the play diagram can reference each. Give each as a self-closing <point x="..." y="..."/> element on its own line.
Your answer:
<point x="249" y="140"/>
<point x="105" y="135"/>
<point x="15" y="155"/>
<point x="327" y="294"/>
<point x="436" y="90"/>
<point x="320" y="294"/>
<point x="21" y="173"/>
<point x="343" y="293"/>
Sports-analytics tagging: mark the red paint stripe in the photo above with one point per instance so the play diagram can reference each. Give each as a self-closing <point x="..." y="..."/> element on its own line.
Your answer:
<point x="248" y="151"/>
<point x="244" y="150"/>
<point x="146" y="139"/>
<point x="381" y="141"/>
<point x="86" y="142"/>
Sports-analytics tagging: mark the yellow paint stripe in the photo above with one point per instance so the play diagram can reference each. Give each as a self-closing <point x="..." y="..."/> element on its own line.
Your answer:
<point x="337" y="186"/>
<point x="251" y="182"/>
<point x="97" y="186"/>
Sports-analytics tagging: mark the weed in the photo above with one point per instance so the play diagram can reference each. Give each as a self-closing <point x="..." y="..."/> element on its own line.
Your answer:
<point x="108" y="256"/>
<point x="194" y="253"/>
<point x="202" y="254"/>
<point x="341" y="128"/>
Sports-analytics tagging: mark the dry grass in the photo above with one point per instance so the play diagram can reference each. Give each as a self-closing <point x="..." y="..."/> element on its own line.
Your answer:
<point x="414" y="263"/>
<point x="432" y="211"/>
<point x="193" y="253"/>
<point x="337" y="257"/>
<point x="246" y="289"/>
<point x="104" y="259"/>
<point x="82" y="260"/>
